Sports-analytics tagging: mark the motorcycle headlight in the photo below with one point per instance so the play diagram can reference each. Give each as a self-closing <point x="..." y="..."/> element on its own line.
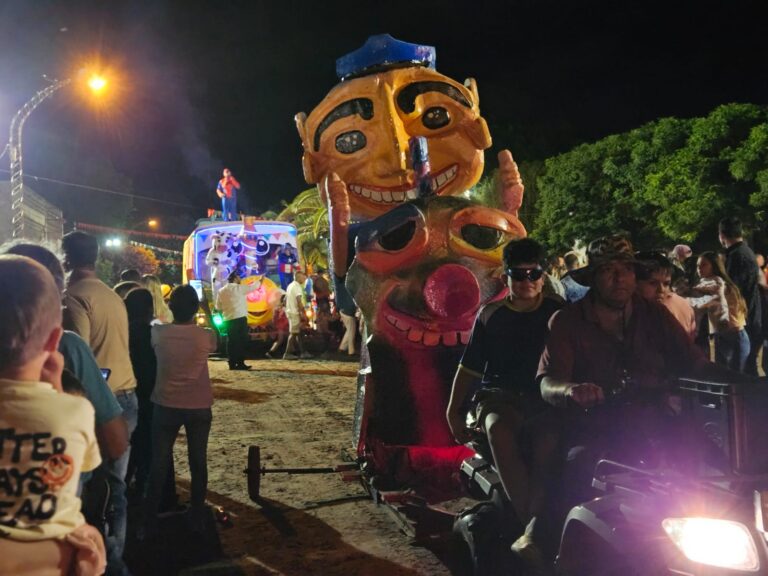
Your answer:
<point x="720" y="543"/>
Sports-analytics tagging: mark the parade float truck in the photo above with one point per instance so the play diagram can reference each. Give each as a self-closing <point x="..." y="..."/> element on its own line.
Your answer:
<point x="249" y="246"/>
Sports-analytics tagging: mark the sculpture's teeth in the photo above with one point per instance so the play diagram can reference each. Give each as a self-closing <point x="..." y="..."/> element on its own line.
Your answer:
<point x="386" y="196"/>
<point x="401" y="325"/>
<point x="464" y="337"/>
<point x="431" y="338"/>
<point x="415" y="335"/>
<point x="450" y="338"/>
<point x="398" y="196"/>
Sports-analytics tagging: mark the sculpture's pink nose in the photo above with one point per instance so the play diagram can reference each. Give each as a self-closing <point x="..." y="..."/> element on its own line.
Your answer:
<point x="451" y="290"/>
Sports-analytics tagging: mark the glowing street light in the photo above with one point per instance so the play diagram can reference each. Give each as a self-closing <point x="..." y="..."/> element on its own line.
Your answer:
<point x="152" y="223"/>
<point x="95" y="82"/>
<point x="113" y="243"/>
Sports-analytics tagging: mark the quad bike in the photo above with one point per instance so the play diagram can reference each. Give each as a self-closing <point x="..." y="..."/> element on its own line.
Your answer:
<point x="642" y="514"/>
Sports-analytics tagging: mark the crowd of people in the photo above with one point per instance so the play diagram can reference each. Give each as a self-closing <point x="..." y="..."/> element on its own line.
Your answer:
<point x="720" y="298"/>
<point x="97" y="381"/>
<point x="133" y="370"/>
<point x="569" y="338"/>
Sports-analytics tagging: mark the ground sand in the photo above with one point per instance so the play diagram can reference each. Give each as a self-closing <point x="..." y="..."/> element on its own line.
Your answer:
<point x="300" y="414"/>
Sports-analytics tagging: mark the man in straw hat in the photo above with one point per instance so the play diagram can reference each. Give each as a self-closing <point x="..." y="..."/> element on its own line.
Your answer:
<point x="614" y="341"/>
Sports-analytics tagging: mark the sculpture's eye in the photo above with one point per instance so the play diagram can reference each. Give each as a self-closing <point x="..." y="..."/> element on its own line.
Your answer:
<point x="398" y="238"/>
<point x="350" y="142"/>
<point x="482" y="237"/>
<point x="436" y="117"/>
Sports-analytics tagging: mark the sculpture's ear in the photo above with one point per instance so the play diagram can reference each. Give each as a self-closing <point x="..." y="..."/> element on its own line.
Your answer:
<point x="471" y="85"/>
<point x="306" y="158"/>
<point x="478" y="131"/>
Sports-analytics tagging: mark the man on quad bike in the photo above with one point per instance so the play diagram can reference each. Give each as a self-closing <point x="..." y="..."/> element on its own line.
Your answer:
<point x="615" y="344"/>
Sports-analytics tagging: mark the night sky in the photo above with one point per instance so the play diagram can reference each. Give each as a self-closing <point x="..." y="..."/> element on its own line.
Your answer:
<point x="208" y="84"/>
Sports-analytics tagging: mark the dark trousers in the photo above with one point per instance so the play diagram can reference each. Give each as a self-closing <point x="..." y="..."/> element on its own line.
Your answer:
<point x="166" y="423"/>
<point x="141" y="458"/>
<point x="237" y="340"/>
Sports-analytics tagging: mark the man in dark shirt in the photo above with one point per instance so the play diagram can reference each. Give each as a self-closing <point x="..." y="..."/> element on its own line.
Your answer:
<point x="741" y="266"/>
<point x="613" y="339"/>
<point x="501" y="357"/>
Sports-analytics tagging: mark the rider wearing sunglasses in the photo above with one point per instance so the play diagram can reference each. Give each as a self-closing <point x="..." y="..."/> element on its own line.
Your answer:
<point x="500" y="362"/>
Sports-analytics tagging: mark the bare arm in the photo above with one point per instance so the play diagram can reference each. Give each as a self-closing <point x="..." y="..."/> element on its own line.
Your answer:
<point x="36" y="558"/>
<point x="558" y="392"/>
<point x="112" y="437"/>
<point x="463" y="382"/>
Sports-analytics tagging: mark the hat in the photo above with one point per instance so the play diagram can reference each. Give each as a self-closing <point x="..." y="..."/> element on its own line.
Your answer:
<point x="383" y="52"/>
<point x="603" y="250"/>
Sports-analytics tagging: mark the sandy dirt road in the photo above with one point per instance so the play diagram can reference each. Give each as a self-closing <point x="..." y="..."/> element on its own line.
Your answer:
<point x="300" y="414"/>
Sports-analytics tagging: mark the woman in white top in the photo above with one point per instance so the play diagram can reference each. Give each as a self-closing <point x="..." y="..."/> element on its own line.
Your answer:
<point x="726" y="310"/>
<point x="182" y="397"/>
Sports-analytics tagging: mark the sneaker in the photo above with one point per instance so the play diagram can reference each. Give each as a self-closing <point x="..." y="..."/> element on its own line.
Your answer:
<point x="290" y="357"/>
<point x="242" y="367"/>
<point x="269" y="355"/>
<point x="529" y="553"/>
<point x="306" y="356"/>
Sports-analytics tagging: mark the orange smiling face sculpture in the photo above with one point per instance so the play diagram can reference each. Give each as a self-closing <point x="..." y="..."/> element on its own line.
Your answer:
<point x="362" y="128"/>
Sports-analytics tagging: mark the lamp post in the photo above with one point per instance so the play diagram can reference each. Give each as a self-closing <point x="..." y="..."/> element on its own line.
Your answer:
<point x="96" y="83"/>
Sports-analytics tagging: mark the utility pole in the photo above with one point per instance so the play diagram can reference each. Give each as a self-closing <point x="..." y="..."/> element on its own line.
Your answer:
<point x="14" y="152"/>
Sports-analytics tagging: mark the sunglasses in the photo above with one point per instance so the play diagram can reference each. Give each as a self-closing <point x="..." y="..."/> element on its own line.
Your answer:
<point x="520" y="274"/>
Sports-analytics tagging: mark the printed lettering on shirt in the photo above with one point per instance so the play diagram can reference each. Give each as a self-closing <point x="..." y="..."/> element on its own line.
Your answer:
<point x="33" y="467"/>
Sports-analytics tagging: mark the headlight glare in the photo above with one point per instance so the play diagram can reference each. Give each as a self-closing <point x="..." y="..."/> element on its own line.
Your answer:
<point x="720" y="543"/>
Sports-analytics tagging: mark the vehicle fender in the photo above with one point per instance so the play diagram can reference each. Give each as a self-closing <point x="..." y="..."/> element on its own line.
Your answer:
<point x="594" y="538"/>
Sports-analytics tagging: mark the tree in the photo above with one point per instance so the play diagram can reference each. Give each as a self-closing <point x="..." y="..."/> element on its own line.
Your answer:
<point x="667" y="181"/>
<point x="310" y="216"/>
<point x="113" y="261"/>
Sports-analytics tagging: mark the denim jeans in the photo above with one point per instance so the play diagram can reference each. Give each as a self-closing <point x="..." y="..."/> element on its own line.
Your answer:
<point x="116" y="470"/>
<point x="732" y="349"/>
<point x="229" y="207"/>
<point x="166" y="423"/>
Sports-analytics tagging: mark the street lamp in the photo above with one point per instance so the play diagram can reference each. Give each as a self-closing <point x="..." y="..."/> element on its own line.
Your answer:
<point x="95" y="83"/>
